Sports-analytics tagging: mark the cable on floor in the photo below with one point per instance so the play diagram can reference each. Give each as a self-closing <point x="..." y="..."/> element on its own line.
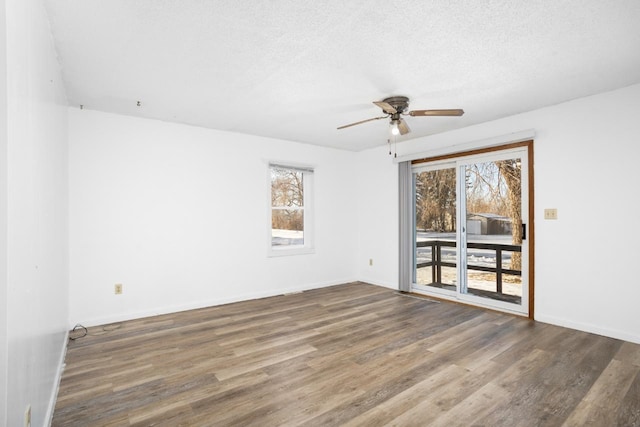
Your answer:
<point x="80" y="331"/>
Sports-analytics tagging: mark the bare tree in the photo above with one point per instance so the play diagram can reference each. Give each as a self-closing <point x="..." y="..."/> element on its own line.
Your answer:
<point x="511" y="170"/>
<point x="491" y="187"/>
<point x="436" y="200"/>
<point x="496" y="187"/>
<point x="287" y="191"/>
<point x="486" y="190"/>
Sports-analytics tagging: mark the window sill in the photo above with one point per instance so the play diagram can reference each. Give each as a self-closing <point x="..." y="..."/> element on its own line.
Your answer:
<point x="289" y="251"/>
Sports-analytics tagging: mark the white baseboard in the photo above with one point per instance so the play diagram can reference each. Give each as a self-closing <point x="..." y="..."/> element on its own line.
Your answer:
<point x="56" y="381"/>
<point x="393" y="286"/>
<point x="121" y="317"/>
<point x="590" y="328"/>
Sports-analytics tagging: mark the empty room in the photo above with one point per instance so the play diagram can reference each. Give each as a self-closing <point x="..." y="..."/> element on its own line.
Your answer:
<point x="281" y="213"/>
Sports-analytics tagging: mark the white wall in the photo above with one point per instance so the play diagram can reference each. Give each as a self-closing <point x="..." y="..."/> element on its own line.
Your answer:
<point x="585" y="155"/>
<point x="36" y="202"/>
<point x="178" y="215"/>
<point x="378" y="218"/>
<point x="3" y="213"/>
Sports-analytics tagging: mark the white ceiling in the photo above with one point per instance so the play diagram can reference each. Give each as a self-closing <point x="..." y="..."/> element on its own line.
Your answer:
<point x="297" y="70"/>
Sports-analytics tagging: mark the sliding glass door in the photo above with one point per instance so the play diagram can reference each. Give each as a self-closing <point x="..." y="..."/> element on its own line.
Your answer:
<point x="436" y="219"/>
<point x="471" y="216"/>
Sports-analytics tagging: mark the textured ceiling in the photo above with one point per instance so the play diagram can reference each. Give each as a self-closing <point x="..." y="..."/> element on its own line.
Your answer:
<point x="297" y="70"/>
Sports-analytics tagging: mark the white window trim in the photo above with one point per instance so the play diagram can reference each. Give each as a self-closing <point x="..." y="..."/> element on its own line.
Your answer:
<point x="309" y="217"/>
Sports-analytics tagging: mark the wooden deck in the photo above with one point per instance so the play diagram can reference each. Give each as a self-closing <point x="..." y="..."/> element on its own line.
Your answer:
<point x="349" y="355"/>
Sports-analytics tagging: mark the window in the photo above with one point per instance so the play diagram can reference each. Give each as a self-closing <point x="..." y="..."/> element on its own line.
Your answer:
<point x="290" y="210"/>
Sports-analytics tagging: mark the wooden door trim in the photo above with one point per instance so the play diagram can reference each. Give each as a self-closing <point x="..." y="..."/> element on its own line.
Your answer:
<point x="531" y="229"/>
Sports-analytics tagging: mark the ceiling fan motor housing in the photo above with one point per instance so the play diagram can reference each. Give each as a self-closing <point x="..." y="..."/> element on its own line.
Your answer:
<point x="400" y="103"/>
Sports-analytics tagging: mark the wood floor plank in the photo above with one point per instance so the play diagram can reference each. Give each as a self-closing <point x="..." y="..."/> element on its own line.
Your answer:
<point x="258" y="361"/>
<point x="354" y="355"/>
<point x="567" y="386"/>
<point x="599" y="405"/>
<point x="408" y="399"/>
<point x="629" y="353"/>
<point x="472" y="408"/>
<point x="459" y="388"/>
<point x="300" y="404"/>
<point x="628" y="413"/>
<point x="495" y="343"/>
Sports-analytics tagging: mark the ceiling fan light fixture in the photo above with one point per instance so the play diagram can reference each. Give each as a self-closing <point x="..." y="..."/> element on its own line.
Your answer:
<point x="394" y="128"/>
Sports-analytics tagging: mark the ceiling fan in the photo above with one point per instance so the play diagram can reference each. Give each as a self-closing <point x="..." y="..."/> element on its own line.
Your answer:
<point x="395" y="106"/>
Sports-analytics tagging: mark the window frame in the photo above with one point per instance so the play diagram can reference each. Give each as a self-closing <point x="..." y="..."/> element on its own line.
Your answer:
<point x="308" y="246"/>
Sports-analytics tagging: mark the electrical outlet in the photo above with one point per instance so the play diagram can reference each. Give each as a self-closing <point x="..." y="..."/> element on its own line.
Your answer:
<point x="27" y="416"/>
<point x="551" y="213"/>
<point x="118" y="288"/>
<point x="370" y="261"/>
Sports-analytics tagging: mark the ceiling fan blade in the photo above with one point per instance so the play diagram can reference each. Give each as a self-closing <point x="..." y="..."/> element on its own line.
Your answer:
<point x="362" y="121"/>
<point x="386" y="107"/>
<point x="456" y="112"/>
<point x="403" y="127"/>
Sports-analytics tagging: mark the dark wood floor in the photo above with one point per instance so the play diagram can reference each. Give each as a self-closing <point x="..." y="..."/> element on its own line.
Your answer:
<point x="356" y="355"/>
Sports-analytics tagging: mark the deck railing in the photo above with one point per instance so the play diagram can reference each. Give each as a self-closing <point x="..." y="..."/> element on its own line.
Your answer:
<point x="437" y="263"/>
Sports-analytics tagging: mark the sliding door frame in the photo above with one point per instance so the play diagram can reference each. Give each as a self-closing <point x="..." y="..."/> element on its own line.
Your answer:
<point x="528" y="145"/>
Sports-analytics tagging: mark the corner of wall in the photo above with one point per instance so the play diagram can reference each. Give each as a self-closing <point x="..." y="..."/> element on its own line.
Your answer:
<point x="4" y="344"/>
